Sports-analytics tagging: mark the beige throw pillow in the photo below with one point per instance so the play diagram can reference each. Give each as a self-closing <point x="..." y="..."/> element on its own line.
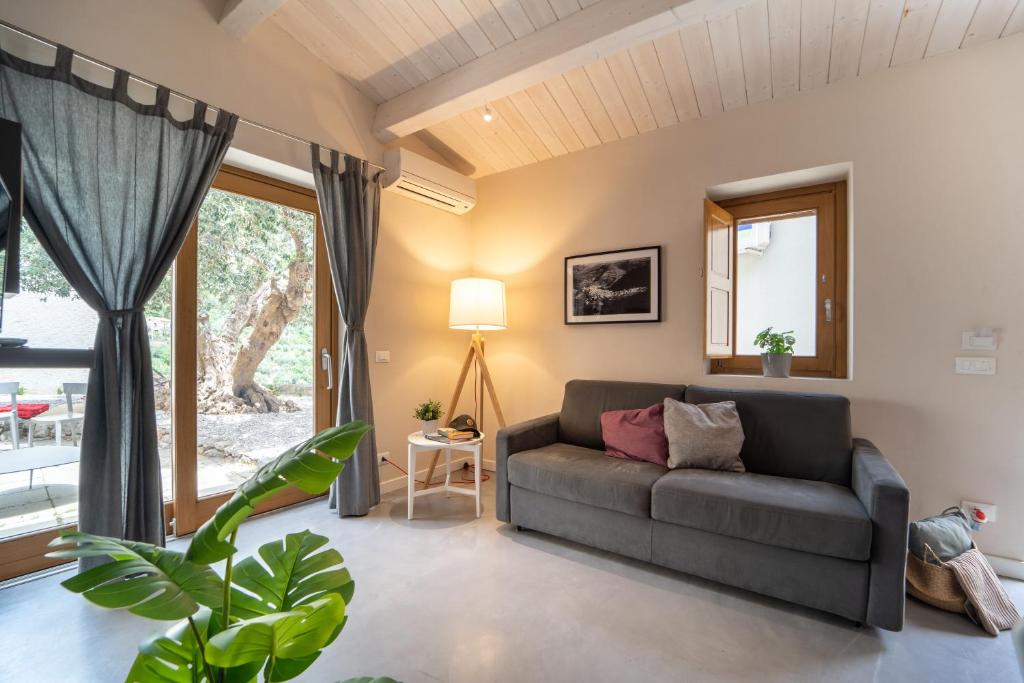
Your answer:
<point x="706" y="436"/>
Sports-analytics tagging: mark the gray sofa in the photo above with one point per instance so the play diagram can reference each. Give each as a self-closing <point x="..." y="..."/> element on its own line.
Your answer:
<point x="819" y="518"/>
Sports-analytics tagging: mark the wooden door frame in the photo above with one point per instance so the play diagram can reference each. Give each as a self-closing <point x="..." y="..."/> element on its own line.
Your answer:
<point x="190" y="509"/>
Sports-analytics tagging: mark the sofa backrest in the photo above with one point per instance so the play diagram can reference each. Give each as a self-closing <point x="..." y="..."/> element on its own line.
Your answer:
<point x="579" y="422"/>
<point x="803" y="436"/>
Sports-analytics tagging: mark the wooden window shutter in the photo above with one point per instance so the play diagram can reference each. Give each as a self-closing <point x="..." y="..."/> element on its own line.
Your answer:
<point x="719" y="281"/>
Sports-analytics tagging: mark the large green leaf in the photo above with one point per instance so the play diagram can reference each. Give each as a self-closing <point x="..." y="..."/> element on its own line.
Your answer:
<point x="298" y="634"/>
<point x="145" y="579"/>
<point x="310" y="466"/>
<point x="295" y="574"/>
<point x="173" y="657"/>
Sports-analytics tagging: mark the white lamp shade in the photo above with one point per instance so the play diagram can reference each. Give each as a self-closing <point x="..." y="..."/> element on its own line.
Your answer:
<point x="477" y="304"/>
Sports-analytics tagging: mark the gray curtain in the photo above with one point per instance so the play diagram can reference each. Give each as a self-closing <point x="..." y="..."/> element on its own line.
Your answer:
<point x="111" y="188"/>
<point x="349" y="208"/>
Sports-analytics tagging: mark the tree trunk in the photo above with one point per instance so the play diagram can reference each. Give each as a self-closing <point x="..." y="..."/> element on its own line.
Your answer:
<point x="228" y="373"/>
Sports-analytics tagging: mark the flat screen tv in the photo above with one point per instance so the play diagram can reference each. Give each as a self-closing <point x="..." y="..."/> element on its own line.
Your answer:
<point x="10" y="207"/>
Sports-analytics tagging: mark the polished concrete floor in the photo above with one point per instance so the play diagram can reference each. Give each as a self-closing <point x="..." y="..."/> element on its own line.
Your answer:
<point x="447" y="597"/>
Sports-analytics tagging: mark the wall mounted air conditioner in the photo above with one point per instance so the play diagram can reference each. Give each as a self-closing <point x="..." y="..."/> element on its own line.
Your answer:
<point x="754" y="238"/>
<point x="427" y="181"/>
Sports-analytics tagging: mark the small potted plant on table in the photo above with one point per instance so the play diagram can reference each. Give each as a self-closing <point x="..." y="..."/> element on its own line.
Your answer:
<point x="428" y="414"/>
<point x="777" y="355"/>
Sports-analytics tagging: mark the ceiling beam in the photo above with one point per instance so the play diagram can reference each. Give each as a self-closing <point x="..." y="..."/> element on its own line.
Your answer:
<point x="241" y="17"/>
<point x="583" y="37"/>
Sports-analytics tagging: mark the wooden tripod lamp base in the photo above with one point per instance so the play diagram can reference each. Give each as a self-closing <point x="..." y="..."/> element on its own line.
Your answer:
<point x="475" y="351"/>
<point x="476" y="304"/>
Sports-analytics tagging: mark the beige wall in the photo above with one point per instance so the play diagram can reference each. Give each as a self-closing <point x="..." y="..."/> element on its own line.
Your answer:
<point x="937" y="202"/>
<point x="421" y="250"/>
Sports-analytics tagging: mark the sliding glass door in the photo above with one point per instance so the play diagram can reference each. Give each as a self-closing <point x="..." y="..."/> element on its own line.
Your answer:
<point x="242" y="334"/>
<point x="254" y="337"/>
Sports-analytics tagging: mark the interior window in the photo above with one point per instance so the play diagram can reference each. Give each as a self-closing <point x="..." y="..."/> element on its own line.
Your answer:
<point x="778" y="260"/>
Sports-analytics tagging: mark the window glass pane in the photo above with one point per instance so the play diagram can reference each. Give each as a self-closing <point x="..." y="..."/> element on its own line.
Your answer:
<point x="255" y="335"/>
<point x="776" y="268"/>
<point x="39" y="483"/>
<point x="47" y="312"/>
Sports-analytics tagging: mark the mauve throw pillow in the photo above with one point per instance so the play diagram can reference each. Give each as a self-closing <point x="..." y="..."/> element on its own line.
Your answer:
<point x="635" y="434"/>
<point x="708" y="436"/>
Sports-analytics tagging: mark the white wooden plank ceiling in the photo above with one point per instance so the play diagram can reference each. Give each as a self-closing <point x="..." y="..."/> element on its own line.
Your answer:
<point x="760" y="50"/>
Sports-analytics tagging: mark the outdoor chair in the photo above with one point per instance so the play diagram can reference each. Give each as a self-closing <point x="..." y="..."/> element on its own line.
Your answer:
<point x="60" y="417"/>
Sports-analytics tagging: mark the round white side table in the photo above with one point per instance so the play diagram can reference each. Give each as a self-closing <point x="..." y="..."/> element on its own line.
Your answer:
<point x="418" y="443"/>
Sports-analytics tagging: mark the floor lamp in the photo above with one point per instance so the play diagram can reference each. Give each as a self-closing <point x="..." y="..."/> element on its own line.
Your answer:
<point x="476" y="304"/>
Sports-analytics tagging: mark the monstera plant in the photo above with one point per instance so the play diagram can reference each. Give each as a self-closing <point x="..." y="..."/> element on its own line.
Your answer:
<point x="268" y="619"/>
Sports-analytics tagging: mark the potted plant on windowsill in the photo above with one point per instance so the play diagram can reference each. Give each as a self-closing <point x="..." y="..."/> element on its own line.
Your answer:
<point x="428" y="414"/>
<point x="777" y="352"/>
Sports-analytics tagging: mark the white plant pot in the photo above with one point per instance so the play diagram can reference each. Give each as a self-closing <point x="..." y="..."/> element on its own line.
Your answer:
<point x="428" y="426"/>
<point x="776" y="364"/>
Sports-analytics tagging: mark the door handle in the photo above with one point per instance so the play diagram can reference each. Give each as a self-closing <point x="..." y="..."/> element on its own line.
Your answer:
<point x="327" y="364"/>
<point x="828" y="310"/>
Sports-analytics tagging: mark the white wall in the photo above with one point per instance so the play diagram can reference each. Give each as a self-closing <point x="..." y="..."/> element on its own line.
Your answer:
<point x="937" y="150"/>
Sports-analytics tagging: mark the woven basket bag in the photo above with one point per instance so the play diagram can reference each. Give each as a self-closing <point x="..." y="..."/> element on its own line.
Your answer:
<point x="934" y="583"/>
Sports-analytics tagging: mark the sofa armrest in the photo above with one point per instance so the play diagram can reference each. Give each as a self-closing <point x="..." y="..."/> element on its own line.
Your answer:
<point x="524" y="436"/>
<point x="886" y="498"/>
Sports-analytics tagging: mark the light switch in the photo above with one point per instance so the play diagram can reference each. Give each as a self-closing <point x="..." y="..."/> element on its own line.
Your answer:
<point x="383" y="357"/>
<point x="975" y="365"/>
<point x="983" y="339"/>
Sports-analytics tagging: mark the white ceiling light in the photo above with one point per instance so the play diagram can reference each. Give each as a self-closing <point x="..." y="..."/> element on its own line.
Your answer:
<point x="488" y="115"/>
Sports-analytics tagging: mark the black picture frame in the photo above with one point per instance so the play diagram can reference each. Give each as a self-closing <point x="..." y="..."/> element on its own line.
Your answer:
<point x="623" y="270"/>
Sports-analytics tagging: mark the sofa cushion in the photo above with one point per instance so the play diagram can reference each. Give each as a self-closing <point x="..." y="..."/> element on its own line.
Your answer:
<point x="586" y="476"/>
<point x="812" y="516"/>
<point x="805" y="436"/>
<point x="636" y="434"/>
<point x="706" y="436"/>
<point x="579" y="423"/>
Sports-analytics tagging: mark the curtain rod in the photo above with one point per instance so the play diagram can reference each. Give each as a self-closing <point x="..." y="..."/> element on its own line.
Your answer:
<point x="254" y="124"/>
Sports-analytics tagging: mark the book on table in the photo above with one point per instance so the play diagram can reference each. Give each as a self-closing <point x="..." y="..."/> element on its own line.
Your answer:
<point x="444" y="435"/>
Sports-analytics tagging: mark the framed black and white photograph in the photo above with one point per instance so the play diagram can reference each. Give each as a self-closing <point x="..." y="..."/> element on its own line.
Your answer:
<point x="613" y="287"/>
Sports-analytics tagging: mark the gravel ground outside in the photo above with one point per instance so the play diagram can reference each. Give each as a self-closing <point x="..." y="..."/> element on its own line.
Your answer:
<point x="231" y="448"/>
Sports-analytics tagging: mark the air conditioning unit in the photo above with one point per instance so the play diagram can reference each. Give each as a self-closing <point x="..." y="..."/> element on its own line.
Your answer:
<point x="754" y="238"/>
<point x="419" y="178"/>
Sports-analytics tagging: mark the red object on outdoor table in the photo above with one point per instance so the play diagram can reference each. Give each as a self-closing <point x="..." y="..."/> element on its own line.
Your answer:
<point x="26" y="411"/>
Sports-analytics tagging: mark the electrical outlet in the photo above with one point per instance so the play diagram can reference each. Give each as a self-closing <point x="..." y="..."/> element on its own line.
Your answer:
<point x="382" y="357"/>
<point x="968" y="506"/>
<point x="381" y="456"/>
<point x="974" y="365"/>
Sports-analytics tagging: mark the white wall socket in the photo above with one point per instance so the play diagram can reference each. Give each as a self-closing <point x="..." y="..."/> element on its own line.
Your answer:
<point x="988" y="508"/>
<point x="382" y="356"/>
<point x="975" y="365"/>
<point x="381" y="455"/>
